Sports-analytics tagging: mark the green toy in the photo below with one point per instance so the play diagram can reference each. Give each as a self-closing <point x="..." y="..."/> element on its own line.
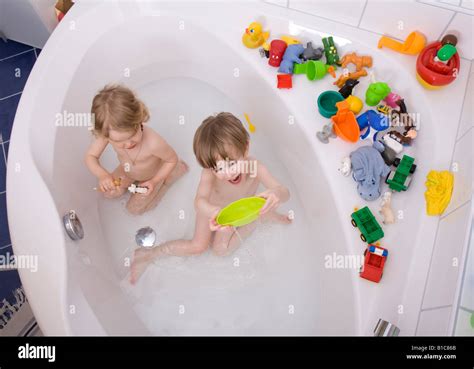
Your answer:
<point x="369" y="227"/>
<point x="446" y="52"/>
<point x="332" y="57"/>
<point x="327" y="101"/>
<point x="241" y="212"/>
<point x="400" y="179"/>
<point x="376" y="92"/>
<point x="314" y="69"/>
<point x="472" y="320"/>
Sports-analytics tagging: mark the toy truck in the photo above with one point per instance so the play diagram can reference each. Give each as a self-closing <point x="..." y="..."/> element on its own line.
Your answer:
<point x="400" y="179"/>
<point x="374" y="262"/>
<point x="369" y="227"/>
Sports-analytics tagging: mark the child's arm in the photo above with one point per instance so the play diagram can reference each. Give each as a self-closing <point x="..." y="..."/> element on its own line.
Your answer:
<point x="106" y="181"/>
<point x="201" y="201"/>
<point x="275" y="194"/>
<point x="161" y="149"/>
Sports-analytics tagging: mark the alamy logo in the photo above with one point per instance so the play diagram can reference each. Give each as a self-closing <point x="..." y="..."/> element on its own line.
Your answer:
<point x="37" y="352"/>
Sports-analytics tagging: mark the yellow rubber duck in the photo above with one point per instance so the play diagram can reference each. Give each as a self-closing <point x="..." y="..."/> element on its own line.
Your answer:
<point x="254" y="36"/>
<point x="439" y="188"/>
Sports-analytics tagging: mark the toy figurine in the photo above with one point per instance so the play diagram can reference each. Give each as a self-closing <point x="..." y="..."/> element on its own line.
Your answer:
<point x="133" y="188"/>
<point x="386" y="208"/>
<point x="368" y="168"/>
<point x="332" y="57"/>
<point x="277" y="50"/>
<point x="254" y="36"/>
<point x="358" y="61"/>
<point x="346" y="89"/>
<point x="326" y="133"/>
<point x="376" y="92"/>
<point x="291" y="56"/>
<point x="310" y="53"/>
<point x="345" y="167"/>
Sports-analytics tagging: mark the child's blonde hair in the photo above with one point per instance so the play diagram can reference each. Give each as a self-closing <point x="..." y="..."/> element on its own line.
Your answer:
<point x="219" y="137"/>
<point x="116" y="107"/>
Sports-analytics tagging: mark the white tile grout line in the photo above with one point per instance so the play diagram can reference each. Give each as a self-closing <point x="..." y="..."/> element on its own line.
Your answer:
<point x="12" y="56"/>
<point x="362" y="14"/>
<point x="466" y="309"/>
<point x="459" y="9"/>
<point x="320" y="16"/>
<point x="437" y="307"/>
<point x="447" y="26"/>
<point x="4" y="154"/>
<point x="36" y="55"/>
<point x="7" y="97"/>
<point x="463" y="101"/>
<point x="4" y="247"/>
<point x="1" y="193"/>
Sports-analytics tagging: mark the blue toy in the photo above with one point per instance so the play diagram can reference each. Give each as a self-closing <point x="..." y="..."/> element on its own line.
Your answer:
<point x="368" y="167"/>
<point x="372" y="119"/>
<point x="291" y="56"/>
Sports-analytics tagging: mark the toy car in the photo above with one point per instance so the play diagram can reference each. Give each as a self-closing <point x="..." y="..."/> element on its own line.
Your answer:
<point x="369" y="227"/>
<point x="374" y="262"/>
<point x="400" y="179"/>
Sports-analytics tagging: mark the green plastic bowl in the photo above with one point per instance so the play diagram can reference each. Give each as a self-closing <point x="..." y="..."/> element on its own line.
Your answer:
<point x="241" y="212"/>
<point x="327" y="103"/>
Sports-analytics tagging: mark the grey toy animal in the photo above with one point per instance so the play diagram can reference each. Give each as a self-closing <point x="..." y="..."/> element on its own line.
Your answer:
<point x="325" y="133"/>
<point x="310" y="53"/>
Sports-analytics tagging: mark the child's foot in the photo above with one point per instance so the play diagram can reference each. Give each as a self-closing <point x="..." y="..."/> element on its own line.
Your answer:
<point x="273" y="216"/>
<point x="141" y="259"/>
<point x="180" y="170"/>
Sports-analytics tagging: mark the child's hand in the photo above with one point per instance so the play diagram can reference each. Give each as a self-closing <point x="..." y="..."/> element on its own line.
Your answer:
<point x="273" y="200"/>
<point x="106" y="183"/>
<point x="148" y="184"/>
<point x="214" y="226"/>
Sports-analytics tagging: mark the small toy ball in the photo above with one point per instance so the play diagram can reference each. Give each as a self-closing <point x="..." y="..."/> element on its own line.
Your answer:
<point x="355" y="104"/>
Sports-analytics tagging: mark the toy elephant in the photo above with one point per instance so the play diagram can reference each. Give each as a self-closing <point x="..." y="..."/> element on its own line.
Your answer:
<point x="310" y="53"/>
<point x="291" y="56"/>
<point x="367" y="169"/>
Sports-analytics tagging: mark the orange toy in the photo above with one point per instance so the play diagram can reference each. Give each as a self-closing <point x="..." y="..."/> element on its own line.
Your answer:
<point x="354" y="75"/>
<point x="358" y="61"/>
<point x="345" y="123"/>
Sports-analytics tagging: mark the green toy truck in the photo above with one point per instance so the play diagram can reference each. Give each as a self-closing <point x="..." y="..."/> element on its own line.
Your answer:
<point x="369" y="227"/>
<point x="400" y="179"/>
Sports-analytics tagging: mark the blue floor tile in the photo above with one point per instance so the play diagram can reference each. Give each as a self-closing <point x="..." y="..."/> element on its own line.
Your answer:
<point x="10" y="282"/>
<point x="11" y="82"/>
<point x="6" y="250"/>
<point x="3" y="171"/>
<point x="11" y="48"/>
<point x="4" y="231"/>
<point x="7" y="115"/>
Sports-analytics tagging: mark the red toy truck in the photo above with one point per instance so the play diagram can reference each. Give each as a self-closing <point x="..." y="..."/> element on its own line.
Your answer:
<point x="374" y="262"/>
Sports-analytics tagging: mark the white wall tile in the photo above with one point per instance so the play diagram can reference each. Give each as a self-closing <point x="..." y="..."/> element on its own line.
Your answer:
<point x="443" y="275"/>
<point x="467" y="116"/>
<point x="463" y="24"/>
<point x="344" y="11"/>
<point x="462" y="162"/>
<point x="467" y="294"/>
<point x="434" y="322"/>
<point x="451" y="2"/>
<point x="386" y="16"/>
<point x="283" y="3"/>
<point x="463" y="324"/>
<point x="469" y="4"/>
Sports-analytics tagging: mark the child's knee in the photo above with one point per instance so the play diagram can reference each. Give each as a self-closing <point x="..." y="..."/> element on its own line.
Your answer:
<point x="198" y="247"/>
<point x="113" y="194"/>
<point x="134" y="209"/>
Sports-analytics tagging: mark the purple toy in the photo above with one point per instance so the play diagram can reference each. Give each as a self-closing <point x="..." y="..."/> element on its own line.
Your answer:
<point x="291" y="56"/>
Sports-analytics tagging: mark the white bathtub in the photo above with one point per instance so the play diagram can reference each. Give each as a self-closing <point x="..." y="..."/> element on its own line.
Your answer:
<point x="187" y="60"/>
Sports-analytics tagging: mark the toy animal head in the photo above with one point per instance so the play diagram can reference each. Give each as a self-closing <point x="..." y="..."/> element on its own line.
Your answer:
<point x="310" y="53"/>
<point x="254" y="30"/>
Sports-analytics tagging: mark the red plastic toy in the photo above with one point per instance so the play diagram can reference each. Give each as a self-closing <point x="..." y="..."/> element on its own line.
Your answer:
<point x="277" y="49"/>
<point x="374" y="262"/>
<point x="284" y="81"/>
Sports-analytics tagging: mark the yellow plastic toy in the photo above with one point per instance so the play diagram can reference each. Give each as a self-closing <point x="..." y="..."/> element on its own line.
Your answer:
<point x="355" y="104"/>
<point x="241" y="212"/>
<point x="254" y="36"/>
<point x="290" y="40"/>
<point x="251" y="126"/>
<point x="439" y="188"/>
<point x="414" y="43"/>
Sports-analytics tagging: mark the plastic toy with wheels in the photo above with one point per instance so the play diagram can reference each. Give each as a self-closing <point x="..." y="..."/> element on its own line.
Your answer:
<point x="400" y="179"/>
<point x="254" y="36"/>
<point x="374" y="262"/>
<point x="368" y="226"/>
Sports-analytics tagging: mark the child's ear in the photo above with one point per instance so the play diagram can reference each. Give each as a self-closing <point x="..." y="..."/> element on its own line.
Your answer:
<point x="247" y="150"/>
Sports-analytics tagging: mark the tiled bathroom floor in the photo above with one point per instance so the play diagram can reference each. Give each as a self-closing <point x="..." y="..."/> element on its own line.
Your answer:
<point x="16" y="62"/>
